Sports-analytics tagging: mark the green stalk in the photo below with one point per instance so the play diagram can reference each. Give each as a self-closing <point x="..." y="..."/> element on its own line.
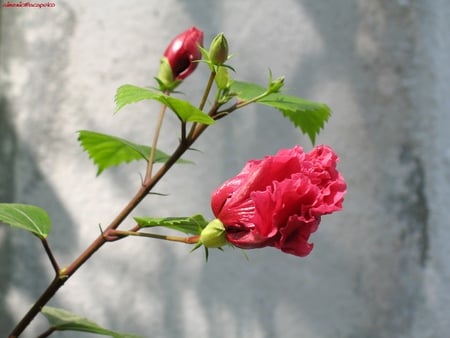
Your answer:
<point x="65" y="273"/>
<point x="186" y="240"/>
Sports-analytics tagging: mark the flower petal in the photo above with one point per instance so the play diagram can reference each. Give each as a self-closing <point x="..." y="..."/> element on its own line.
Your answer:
<point x="278" y="201"/>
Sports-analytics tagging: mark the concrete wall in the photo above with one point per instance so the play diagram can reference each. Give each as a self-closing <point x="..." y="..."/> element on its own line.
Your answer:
<point x="379" y="268"/>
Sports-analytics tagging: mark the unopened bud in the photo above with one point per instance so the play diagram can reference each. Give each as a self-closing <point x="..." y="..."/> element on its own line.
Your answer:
<point x="218" y="51"/>
<point x="183" y="52"/>
<point x="180" y="58"/>
<point x="276" y="85"/>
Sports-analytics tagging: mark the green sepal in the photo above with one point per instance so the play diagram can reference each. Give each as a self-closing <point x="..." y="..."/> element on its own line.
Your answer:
<point x="205" y="57"/>
<point x="107" y="150"/>
<point x="26" y="217"/>
<point x="189" y="225"/>
<point x="165" y="78"/>
<point x="63" y="320"/>
<point x="307" y="115"/>
<point x="198" y="245"/>
<point x="185" y="111"/>
<point x="211" y="65"/>
<point x="222" y="78"/>
<point x="167" y="87"/>
<point x="213" y="235"/>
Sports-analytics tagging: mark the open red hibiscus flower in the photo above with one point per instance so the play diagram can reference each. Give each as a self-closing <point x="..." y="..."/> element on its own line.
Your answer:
<point x="278" y="201"/>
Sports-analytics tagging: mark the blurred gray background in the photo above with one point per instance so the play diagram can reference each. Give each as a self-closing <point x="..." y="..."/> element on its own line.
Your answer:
<point x="380" y="268"/>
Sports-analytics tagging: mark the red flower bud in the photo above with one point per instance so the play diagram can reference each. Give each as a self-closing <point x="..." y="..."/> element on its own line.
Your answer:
<point x="278" y="201"/>
<point x="183" y="51"/>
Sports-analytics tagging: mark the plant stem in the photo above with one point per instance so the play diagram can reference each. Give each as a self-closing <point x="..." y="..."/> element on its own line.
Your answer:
<point x="57" y="282"/>
<point x="46" y="333"/>
<point x="64" y="274"/>
<point x="50" y="255"/>
<point x="183" y="131"/>
<point x="242" y="104"/>
<point x="208" y="87"/>
<point x="212" y="75"/>
<point x="151" y="158"/>
<point x="187" y="240"/>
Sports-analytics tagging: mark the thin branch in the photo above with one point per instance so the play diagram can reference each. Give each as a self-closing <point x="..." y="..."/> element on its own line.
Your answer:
<point x="50" y="255"/>
<point x="186" y="240"/>
<point x="212" y="76"/>
<point x="183" y="131"/>
<point x="151" y="158"/>
<point x="252" y="100"/>
<point x="57" y="282"/>
<point x="208" y="87"/>
<point x="47" y="333"/>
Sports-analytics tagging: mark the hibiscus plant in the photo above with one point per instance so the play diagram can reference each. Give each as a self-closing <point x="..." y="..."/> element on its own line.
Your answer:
<point x="276" y="201"/>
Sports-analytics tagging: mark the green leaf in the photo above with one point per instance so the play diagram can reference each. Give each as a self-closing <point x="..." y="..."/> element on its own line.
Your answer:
<point x="63" y="320"/>
<point x="189" y="225"/>
<point x="185" y="111"/>
<point x="28" y="217"/>
<point x="307" y="115"/>
<point x="247" y="91"/>
<point x="107" y="151"/>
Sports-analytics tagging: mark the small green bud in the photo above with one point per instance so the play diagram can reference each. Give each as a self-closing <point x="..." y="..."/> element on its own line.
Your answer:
<point x="218" y="51"/>
<point x="213" y="235"/>
<point x="276" y="85"/>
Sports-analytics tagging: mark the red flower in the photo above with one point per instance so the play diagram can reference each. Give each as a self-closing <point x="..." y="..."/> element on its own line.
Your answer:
<point x="278" y="201"/>
<point x="182" y="51"/>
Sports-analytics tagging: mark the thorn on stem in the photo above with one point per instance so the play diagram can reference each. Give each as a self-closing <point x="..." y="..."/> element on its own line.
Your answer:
<point x="107" y="236"/>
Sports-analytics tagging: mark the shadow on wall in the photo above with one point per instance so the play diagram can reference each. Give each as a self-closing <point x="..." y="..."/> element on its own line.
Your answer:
<point x="25" y="270"/>
<point x="7" y="149"/>
<point x="21" y="253"/>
